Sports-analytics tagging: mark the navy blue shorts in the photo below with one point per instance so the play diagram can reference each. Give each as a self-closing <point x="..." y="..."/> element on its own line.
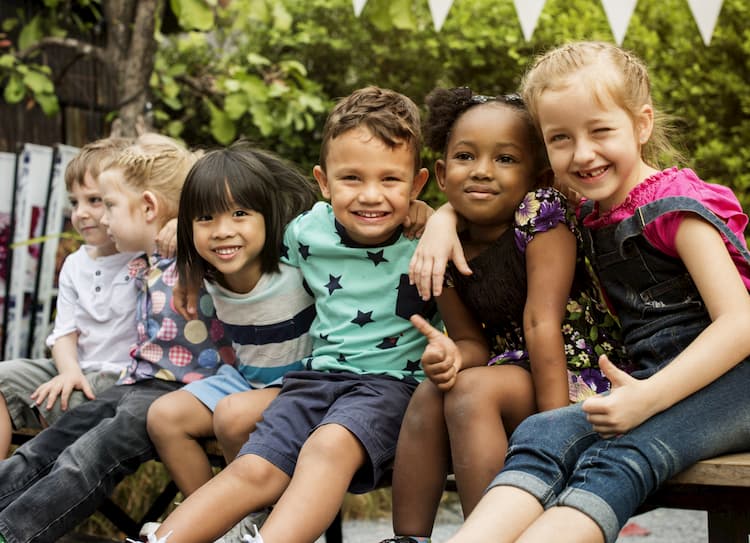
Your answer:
<point x="370" y="406"/>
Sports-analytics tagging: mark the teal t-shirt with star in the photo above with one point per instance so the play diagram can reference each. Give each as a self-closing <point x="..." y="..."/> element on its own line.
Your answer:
<point x="362" y="297"/>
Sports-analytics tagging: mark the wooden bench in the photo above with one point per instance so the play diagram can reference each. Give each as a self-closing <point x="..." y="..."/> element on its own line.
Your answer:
<point x="720" y="486"/>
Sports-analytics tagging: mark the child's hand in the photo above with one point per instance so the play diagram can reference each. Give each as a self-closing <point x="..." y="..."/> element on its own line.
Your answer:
<point x="438" y="244"/>
<point x="416" y="220"/>
<point x="63" y="386"/>
<point x="185" y="300"/>
<point x="441" y="359"/>
<point x="624" y="408"/>
<point x="166" y="239"/>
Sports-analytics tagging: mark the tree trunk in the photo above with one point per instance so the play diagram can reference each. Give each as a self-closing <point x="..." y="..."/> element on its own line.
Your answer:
<point x="131" y="46"/>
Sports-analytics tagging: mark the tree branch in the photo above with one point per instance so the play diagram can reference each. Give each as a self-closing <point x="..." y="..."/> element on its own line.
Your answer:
<point x="81" y="47"/>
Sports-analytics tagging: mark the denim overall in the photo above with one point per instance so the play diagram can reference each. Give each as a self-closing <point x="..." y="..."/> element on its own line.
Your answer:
<point x="556" y="455"/>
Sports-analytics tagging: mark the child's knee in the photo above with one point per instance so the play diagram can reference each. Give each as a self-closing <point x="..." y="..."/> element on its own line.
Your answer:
<point x="163" y="414"/>
<point x="227" y="420"/>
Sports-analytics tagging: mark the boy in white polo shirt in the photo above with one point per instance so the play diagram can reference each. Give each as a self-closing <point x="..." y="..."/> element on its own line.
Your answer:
<point x="95" y="314"/>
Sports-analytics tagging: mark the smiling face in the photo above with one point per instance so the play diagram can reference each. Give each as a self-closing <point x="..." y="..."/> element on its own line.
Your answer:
<point x="488" y="167"/>
<point x="232" y="242"/>
<point x="86" y="215"/>
<point x="594" y="145"/>
<point x="370" y="185"/>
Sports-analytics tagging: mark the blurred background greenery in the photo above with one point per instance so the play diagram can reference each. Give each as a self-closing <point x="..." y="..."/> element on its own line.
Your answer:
<point x="269" y="70"/>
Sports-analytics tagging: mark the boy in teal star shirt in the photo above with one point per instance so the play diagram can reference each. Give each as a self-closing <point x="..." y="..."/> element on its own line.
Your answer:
<point x="335" y="425"/>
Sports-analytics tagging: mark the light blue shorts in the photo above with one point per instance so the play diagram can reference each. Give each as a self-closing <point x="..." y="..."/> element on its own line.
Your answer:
<point x="227" y="380"/>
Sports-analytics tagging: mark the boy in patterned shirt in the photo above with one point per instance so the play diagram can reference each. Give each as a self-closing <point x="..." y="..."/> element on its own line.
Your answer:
<point x="60" y="477"/>
<point x="335" y="425"/>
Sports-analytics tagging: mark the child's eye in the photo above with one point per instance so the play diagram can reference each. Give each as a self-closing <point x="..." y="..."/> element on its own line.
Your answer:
<point x="506" y="159"/>
<point x="554" y="138"/>
<point x="73" y="203"/>
<point x="202" y="218"/>
<point x="392" y="178"/>
<point x="463" y="156"/>
<point x="95" y="200"/>
<point x="240" y="213"/>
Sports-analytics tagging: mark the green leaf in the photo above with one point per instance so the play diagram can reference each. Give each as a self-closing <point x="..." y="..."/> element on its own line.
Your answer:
<point x="281" y="18"/>
<point x="221" y="126"/>
<point x="38" y="83"/>
<point x="9" y="24"/>
<point x="7" y="61"/>
<point x="14" y="90"/>
<point x="30" y="33"/>
<point x="48" y="103"/>
<point x="235" y="105"/>
<point x="193" y="14"/>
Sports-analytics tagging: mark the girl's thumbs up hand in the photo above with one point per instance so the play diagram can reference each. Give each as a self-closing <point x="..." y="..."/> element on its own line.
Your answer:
<point x="625" y="407"/>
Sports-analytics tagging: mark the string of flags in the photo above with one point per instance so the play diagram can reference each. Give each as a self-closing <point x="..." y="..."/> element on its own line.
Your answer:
<point x="619" y="12"/>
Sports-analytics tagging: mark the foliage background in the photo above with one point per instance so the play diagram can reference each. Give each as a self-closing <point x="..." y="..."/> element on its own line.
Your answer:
<point x="269" y="70"/>
<point x="310" y="52"/>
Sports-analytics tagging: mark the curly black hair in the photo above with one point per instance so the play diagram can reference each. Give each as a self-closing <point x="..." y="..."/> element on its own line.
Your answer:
<point x="445" y="106"/>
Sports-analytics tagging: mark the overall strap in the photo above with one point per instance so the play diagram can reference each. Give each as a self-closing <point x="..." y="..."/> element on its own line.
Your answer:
<point x="633" y="226"/>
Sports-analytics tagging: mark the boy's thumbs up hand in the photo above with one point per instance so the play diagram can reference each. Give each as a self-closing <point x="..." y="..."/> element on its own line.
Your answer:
<point x="441" y="359"/>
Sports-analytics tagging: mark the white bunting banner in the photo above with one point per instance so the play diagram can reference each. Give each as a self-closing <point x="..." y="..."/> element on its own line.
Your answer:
<point x="439" y="10"/>
<point x="619" y="13"/>
<point x="706" y="13"/>
<point x="528" y="13"/>
<point x="359" y="5"/>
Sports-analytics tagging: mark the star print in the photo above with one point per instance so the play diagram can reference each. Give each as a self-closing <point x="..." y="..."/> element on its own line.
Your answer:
<point x="412" y="365"/>
<point x="341" y="358"/>
<point x="304" y="250"/>
<point x="377" y="257"/>
<point x="284" y="251"/>
<point x="333" y="283"/>
<point x="388" y="343"/>
<point x="324" y="337"/>
<point x="362" y="318"/>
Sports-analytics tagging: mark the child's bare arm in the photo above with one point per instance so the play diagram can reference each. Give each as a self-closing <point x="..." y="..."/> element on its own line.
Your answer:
<point x="166" y="239"/>
<point x="723" y="344"/>
<point x="185" y="300"/>
<point x="70" y="378"/>
<point x="416" y="220"/>
<point x="439" y="244"/>
<point x="550" y="267"/>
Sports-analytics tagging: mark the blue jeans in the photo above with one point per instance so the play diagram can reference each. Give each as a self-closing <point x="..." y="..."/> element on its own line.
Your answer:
<point x="558" y="458"/>
<point x="60" y="477"/>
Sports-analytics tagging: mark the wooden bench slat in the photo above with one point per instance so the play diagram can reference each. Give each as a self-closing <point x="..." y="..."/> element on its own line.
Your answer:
<point x="727" y="470"/>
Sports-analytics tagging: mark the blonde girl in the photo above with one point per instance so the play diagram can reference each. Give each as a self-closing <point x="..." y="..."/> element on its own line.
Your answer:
<point x="670" y="253"/>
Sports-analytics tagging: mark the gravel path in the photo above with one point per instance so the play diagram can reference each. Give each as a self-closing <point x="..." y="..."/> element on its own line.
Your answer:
<point x="664" y="525"/>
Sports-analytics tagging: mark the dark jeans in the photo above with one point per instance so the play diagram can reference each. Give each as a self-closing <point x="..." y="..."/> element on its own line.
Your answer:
<point x="60" y="477"/>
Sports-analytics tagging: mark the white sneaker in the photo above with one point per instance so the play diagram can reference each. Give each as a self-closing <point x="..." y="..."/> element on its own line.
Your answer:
<point x="253" y="537"/>
<point x="248" y="524"/>
<point x="148" y="528"/>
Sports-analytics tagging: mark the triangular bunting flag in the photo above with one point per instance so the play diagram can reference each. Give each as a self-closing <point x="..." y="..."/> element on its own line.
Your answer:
<point x="439" y="10"/>
<point x="359" y="5"/>
<point x="619" y="13"/>
<point x="706" y="13"/>
<point x="528" y="13"/>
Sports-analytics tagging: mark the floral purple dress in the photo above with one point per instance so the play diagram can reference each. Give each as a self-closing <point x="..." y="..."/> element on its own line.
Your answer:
<point x="496" y="295"/>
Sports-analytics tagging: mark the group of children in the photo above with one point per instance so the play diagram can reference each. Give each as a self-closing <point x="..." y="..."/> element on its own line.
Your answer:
<point x="319" y="342"/>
